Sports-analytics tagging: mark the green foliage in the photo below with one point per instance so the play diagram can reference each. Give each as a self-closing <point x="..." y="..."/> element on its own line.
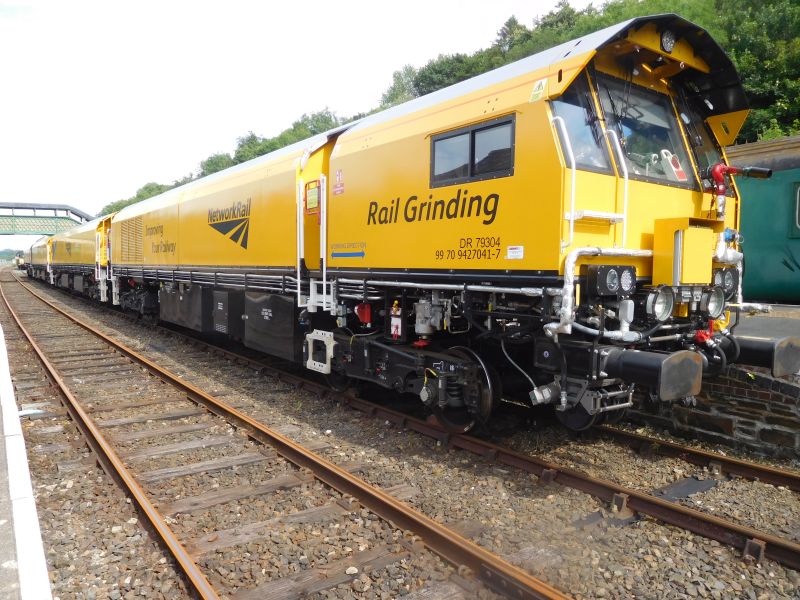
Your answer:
<point x="402" y="88"/>
<point x="511" y="34"/>
<point x="214" y="163"/>
<point x="148" y="190"/>
<point x="443" y="71"/>
<point x="761" y="36"/>
<point x="251" y="145"/>
<point x="247" y="147"/>
<point x="8" y="253"/>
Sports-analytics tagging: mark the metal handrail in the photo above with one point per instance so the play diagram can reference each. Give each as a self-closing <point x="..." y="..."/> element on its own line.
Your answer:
<point x="562" y="127"/>
<point x="323" y="241"/>
<point x="299" y="236"/>
<point x="624" y="166"/>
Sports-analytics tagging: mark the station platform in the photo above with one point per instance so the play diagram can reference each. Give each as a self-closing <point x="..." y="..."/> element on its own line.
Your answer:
<point x="23" y="568"/>
<point x="780" y="322"/>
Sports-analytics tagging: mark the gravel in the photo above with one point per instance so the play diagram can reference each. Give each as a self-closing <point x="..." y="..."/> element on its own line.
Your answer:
<point x="94" y="543"/>
<point x="538" y="527"/>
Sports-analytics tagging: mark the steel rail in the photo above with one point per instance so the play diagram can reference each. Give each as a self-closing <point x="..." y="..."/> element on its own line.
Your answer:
<point x="726" y="464"/>
<point x="730" y="465"/>
<point x="495" y="572"/>
<point x="781" y="550"/>
<point x="115" y="468"/>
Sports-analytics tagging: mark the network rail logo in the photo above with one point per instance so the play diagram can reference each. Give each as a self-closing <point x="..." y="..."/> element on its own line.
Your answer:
<point x="233" y="221"/>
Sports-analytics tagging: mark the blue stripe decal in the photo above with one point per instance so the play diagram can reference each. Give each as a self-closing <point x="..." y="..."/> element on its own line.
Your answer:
<point x="359" y="254"/>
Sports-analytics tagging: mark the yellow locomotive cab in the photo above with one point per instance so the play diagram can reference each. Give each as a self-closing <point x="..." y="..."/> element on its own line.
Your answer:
<point x="77" y="259"/>
<point x="559" y="231"/>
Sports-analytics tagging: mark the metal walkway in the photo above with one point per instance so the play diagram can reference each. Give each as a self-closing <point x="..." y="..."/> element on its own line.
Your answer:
<point x="17" y="218"/>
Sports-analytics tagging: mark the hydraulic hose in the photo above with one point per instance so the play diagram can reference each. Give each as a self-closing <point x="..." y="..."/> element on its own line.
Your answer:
<point x="716" y="369"/>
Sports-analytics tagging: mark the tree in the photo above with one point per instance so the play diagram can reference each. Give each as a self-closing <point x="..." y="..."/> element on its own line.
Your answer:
<point x="760" y="36"/>
<point x="443" y="71"/>
<point x="148" y="190"/>
<point x="511" y="34"/>
<point x="762" y="39"/>
<point x="214" y="163"/>
<point x="248" y="147"/>
<point x="402" y="88"/>
<point x="252" y="145"/>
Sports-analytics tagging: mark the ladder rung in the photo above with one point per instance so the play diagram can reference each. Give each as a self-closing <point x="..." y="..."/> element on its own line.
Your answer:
<point x="596" y="214"/>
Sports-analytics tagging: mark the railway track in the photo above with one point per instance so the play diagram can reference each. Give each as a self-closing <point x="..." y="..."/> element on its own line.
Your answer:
<point x="751" y="540"/>
<point x="715" y="462"/>
<point x="127" y="407"/>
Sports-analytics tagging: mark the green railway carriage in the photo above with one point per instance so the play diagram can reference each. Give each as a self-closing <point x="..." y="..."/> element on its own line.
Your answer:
<point x="771" y="220"/>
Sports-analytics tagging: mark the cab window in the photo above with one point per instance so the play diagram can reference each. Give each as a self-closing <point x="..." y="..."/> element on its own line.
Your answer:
<point x="648" y="132"/>
<point x="701" y="140"/>
<point x="576" y="107"/>
<point x="481" y="151"/>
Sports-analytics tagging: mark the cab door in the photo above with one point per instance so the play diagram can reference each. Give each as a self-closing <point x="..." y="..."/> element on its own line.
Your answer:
<point x="312" y="230"/>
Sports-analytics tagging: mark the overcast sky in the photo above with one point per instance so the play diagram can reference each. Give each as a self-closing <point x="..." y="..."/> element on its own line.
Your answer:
<point x="99" y="98"/>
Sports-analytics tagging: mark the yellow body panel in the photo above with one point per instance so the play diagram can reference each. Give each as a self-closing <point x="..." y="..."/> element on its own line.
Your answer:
<point x="563" y="73"/>
<point x="381" y="167"/>
<point x="313" y="181"/>
<point x="694" y="264"/>
<point x="76" y="246"/>
<point x="698" y="243"/>
<point x="726" y="127"/>
<point x="38" y="253"/>
<point x="389" y="165"/>
<point x="242" y="219"/>
<point x="648" y="36"/>
<point x="102" y="246"/>
<point x="384" y="214"/>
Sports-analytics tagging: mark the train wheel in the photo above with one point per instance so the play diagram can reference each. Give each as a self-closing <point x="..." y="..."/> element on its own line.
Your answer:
<point x="576" y="418"/>
<point x="615" y="416"/>
<point x="338" y="382"/>
<point x="461" y="419"/>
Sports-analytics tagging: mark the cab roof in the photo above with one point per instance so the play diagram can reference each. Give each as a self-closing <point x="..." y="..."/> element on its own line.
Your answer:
<point x="721" y="86"/>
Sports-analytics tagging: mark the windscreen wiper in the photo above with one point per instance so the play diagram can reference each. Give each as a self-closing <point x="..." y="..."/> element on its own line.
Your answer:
<point x="617" y="116"/>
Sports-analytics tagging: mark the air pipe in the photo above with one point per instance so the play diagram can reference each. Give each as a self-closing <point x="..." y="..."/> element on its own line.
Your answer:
<point x="566" y="316"/>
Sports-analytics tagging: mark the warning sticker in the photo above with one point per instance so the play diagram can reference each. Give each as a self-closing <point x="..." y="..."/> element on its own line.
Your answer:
<point x="515" y="252"/>
<point x="338" y="187"/>
<point x="539" y="90"/>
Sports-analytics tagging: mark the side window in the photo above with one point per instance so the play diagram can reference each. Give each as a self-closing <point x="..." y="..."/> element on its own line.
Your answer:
<point x="492" y="150"/>
<point x="577" y="109"/>
<point x="482" y="151"/>
<point x="451" y="159"/>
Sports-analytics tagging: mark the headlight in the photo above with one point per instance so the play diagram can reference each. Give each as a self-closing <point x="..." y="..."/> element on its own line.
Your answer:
<point x="712" y="302"/>
<point x="667" y="41"/>
<point x="659" y="303"/>
<point x="609" y="280"/>
<point x="728" y="280"/>
<point x="627" y="280"/>
<point x="612" y="280"/>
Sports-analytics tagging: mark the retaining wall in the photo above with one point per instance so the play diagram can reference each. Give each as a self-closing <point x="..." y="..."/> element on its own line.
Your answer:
<point x="744" y="408"/>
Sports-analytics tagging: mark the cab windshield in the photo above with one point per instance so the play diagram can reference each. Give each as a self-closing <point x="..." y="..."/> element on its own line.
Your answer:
<point x="648" y="132"/>
<point x="706" y="151"/>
